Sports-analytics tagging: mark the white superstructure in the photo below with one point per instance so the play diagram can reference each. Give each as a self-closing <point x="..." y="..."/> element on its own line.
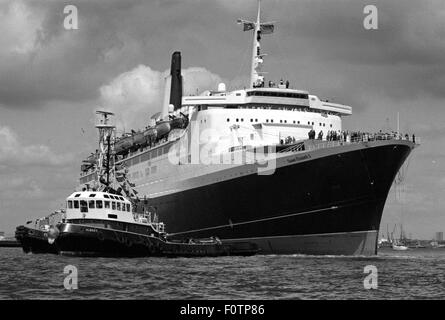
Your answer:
<point x="98" y="205"/>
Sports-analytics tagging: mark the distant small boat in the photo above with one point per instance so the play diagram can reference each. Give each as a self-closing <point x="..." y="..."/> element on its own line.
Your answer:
<point x="8" y="243"/>
<point x="399" y="247"/>
<point x="434" y="244"/>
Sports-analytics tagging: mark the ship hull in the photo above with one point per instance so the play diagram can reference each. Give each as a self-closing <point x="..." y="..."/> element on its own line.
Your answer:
<point x="331" y="202"/>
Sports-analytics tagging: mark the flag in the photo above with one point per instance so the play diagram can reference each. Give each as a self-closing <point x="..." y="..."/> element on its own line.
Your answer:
<point x="266" y="28"/>
<point x="247" y="25"/>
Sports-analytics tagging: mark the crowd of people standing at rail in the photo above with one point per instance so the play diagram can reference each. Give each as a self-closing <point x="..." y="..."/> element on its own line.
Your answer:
<point x="351" y="136"/>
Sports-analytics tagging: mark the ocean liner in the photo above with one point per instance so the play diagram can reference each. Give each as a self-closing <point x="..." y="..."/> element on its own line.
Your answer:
<point x="267" y="164"/>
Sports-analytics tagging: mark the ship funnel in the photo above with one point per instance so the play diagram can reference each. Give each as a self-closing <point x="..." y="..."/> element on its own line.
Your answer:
<point x="176" y="81"/>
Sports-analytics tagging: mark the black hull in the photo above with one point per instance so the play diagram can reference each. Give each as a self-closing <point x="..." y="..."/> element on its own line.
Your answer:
<point x="34" y="241"/>
<point x="330" y="204"/>
<point x="84" y="240"/>
<point x="91" y="241"/>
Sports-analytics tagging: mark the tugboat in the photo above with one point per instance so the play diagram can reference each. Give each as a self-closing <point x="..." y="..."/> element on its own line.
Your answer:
<point x="104" y="224"/>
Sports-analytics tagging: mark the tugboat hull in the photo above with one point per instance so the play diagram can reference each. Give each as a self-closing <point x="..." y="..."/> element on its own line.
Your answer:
<point x="85" y="240"/>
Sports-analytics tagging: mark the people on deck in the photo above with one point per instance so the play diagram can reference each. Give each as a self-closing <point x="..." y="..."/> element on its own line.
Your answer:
<point x="358" y="136"/>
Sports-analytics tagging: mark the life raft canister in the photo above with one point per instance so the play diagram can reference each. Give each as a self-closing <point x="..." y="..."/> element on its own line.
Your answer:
<point x="53" y="233"/>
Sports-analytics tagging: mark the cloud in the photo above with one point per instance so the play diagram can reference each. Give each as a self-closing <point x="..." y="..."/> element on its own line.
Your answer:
<point x="14" y="153"/>
<point x="137" y="94"/>
<point x="27" y="188"/>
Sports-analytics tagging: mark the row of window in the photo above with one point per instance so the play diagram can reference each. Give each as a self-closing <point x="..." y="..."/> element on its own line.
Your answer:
<point x="278" y="94"/>
<point x="108" y="196"/>
<point x="261" y="106"/>
<point x="147" y="156"/>
<point x="281" y="121"/>
<point x="84" y="205"/>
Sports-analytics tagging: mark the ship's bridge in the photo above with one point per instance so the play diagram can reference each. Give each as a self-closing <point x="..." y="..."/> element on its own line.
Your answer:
<point x="98" y="205"/>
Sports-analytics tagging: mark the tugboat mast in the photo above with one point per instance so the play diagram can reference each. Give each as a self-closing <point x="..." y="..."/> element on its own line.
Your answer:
<point x="256" y="75"/>
<point x="106" y="135"/>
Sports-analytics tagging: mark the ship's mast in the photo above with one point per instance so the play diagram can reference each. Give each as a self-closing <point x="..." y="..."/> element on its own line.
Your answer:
<point x="111" y="177"/>
<point x="105" y="165"/>
<point x="256" y="79"/>
<point x="256" y="75"/>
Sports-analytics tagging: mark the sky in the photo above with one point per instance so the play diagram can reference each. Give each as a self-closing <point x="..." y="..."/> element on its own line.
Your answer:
<point x="53" y="79"/>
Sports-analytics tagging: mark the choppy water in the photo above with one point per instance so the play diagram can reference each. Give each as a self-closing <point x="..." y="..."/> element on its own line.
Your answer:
<point x="414" y="274"/>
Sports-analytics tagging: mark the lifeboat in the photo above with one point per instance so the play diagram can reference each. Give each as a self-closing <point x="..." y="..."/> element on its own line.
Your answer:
<point x="141" y="139"/>
<point x="162" y="128"/>
<point x="123" y="144"/>
<point x="179" y="123"/>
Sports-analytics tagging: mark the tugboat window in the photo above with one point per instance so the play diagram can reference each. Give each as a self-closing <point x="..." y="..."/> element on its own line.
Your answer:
<point x="128" y="207"/>
<point x="113" y="205"/>
<point x="91" y="204"/>
<point x="106" y="196"/>
<point x="76" y="204"/>
<point x="83" y="206"/>
<point x="118" y="205"/>
<point x="107" y="204"/>
<point x="99" y="204"/>
<point x="70" y="204"/>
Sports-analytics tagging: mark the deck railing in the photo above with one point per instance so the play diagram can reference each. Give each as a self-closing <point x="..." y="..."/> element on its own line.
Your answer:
<point x="315" y="144"/>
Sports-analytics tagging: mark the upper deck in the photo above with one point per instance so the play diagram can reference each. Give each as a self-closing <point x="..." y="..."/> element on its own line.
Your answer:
<point x="272" y="97"/>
